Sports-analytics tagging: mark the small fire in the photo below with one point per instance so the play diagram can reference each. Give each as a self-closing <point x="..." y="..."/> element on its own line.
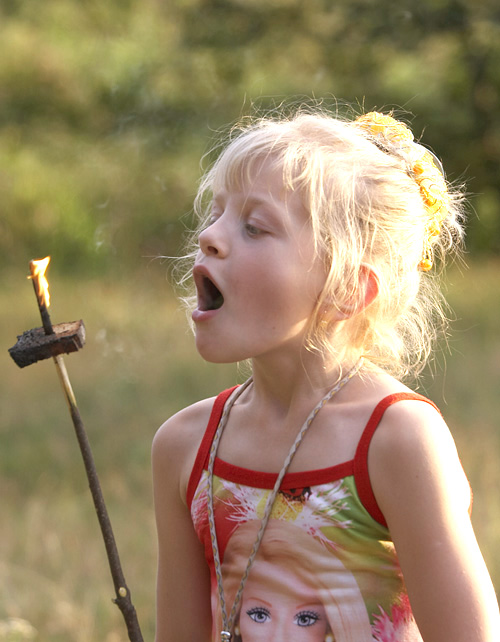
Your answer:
<point x="38" y="275"/>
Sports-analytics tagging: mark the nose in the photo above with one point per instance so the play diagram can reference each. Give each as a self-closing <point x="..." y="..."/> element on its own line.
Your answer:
<point x="213" y="241"/>
<point x="281" y="632"/>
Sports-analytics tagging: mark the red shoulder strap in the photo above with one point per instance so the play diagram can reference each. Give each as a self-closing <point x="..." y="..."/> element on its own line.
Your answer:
<point x="361" y="475"/>
<point x="204" y="449"/>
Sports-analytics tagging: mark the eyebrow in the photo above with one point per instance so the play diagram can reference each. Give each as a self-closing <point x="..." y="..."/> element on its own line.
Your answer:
<point x="220" y="199"/>
<point x="259" y="599"/>
<point x="253" y="200"/>
<point x="268" y="204"/>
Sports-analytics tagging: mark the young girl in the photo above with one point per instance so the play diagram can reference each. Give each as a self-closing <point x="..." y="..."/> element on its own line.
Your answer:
<point x="315" y="260"/>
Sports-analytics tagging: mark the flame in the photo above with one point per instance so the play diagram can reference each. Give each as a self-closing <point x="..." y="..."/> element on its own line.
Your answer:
<point x="41" y="284"/>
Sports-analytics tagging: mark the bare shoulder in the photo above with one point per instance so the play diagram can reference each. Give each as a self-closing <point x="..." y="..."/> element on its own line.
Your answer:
<point x="411" y="426"/>
<point x="176" y="442"/>
<point x="413" y="453"/>
<point x="185" y="426"/>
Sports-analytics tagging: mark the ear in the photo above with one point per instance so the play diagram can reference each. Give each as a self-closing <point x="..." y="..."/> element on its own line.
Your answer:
<point x="365" y="293"/>
<point x="370" y="283"/>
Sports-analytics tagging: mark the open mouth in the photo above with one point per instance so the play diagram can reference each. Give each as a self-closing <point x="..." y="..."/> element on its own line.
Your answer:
<point x="209" y="295"/>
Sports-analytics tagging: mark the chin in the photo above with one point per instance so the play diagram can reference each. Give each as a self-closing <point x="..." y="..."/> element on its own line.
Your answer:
<point x="216" y="359"/>
<point x="214" y="354"/>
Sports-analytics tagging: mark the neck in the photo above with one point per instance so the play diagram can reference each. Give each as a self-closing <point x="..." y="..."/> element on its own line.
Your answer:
<point x="287" y="382"/>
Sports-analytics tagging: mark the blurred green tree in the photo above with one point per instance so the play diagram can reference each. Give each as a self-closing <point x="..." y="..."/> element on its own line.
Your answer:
<point x="106" y="109"/>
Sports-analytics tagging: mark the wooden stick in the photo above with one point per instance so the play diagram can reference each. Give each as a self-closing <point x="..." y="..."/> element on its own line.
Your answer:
<point x="123" y="598"/>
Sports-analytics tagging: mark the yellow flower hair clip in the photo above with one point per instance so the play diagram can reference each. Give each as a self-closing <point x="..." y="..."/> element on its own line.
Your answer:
<point x="424" y="170"/>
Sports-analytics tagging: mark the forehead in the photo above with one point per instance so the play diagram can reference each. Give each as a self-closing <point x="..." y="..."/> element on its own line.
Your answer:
<point x="261" y="185"/>
<point x="250" y="162"/>
<point x="270" y="143"/>
<point x="271" y="149"/>
<point x="235" y="170"/>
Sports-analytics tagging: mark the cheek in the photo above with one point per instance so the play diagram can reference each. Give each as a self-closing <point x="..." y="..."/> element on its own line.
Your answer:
<point x="262" y="286"/>
<point x="280" y="291"/>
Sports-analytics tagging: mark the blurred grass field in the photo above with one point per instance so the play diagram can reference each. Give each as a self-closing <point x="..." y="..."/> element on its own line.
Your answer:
<point x="139" y="366"/>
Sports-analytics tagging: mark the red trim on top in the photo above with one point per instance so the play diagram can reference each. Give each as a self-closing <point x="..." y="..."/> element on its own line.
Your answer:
<point x="254" y="478"/>
<point x="258" y="479"/>
<point x="206" y="442"/>
<point x="361" y="474"/>
<point x="302" y="479"/>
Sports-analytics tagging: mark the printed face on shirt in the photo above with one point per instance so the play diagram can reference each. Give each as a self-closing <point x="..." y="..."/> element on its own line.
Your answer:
<point x="257" y="273"/>
<point x="278" y="606"/>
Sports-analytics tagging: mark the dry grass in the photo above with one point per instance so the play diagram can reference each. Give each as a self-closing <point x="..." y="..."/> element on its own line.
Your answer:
<point x="466" y="390"/>
<point x="140" y="366"/>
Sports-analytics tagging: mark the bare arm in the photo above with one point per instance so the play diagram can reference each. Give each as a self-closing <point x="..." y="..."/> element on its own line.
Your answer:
<point x="421" y="488"/>
<point x="183" y="584"/>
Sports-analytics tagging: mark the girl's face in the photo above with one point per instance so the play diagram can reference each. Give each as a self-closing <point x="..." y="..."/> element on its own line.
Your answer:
<point x="257" y="274"/>
<point x="278" y="606"/>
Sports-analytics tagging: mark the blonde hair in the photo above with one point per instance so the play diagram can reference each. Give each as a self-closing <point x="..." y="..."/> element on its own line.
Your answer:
<point x="365" y="209"/>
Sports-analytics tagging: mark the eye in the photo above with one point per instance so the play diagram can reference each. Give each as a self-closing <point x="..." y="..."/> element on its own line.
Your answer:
<point x="259" y="614"/>
<point x="306" y="618"/>
<point x="252" y="230"/>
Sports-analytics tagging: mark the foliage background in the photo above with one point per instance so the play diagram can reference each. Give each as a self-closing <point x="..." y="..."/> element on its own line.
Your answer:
<point x="105" y="112"/>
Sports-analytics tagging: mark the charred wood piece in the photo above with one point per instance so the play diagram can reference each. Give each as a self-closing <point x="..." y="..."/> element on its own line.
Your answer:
<point x="35" y="345"/>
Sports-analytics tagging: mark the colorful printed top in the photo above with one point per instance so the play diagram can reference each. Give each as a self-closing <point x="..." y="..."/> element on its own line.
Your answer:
<point x="326" y="568"/>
